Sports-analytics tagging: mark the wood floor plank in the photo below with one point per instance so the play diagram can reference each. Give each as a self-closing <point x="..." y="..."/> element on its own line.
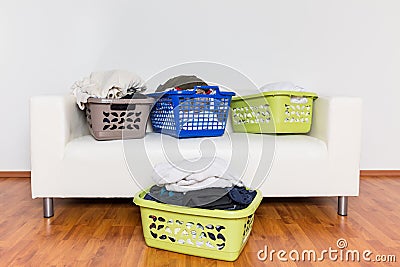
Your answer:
<point x="108" y="232"/>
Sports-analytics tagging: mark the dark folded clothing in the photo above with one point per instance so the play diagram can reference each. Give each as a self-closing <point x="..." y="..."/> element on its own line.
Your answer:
<point x="149" y="197"/>
<point x="165" y="196"/>
<point x="223" y="203"/>
<point x="184" y="82"/>
<point x="241" y="195"/>
<point x="232" y="198"/>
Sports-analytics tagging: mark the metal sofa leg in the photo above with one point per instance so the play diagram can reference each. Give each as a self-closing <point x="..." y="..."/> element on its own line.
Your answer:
<point x="48" y="208"/>
<point x="342" y="205"/>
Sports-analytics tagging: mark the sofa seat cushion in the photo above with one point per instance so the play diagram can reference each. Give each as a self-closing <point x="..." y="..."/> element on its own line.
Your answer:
<point x="122" y="167"/>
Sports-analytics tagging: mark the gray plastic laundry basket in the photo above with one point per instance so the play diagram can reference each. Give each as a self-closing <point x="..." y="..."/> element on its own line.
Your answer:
<point x="111" y="119"/>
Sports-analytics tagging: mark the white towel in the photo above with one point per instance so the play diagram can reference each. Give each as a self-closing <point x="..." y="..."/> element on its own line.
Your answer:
<point x="281" y="86"/>
<point x="99" y="84"/>
<point x="286" y="86"/>
<point x="183" y="176"/>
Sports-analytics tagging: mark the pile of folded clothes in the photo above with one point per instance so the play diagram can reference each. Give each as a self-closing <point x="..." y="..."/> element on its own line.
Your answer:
<point x="208" y="188"/>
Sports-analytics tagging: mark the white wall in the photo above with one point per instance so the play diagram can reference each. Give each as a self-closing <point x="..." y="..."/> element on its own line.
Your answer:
<point x="345" y="47"/>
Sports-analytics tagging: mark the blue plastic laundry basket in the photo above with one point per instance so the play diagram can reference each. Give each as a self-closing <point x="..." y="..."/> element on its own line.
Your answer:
<point x="185" y="114"/>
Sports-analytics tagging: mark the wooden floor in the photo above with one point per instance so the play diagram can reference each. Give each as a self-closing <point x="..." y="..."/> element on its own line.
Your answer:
<point x="108" y="232"/>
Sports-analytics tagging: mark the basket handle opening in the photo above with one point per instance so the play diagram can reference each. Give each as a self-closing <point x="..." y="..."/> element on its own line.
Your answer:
<point x="123" y="106"/>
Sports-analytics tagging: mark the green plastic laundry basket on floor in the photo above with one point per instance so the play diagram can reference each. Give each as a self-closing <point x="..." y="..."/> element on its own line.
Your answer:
<point x="217" y="234"/>
<point x="273" y="112"/>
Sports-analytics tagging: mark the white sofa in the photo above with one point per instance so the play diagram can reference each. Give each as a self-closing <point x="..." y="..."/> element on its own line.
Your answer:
<point x="67" y="162"/>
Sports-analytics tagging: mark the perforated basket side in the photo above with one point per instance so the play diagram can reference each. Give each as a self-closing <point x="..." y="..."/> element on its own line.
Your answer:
<point x="111" y="120"/>
<point x="190" y="115"/>
<point x="218" y="234"/>
<point x="272" y="114"/>
<point x="195" y="235"/>
<point x="162" y="116"/>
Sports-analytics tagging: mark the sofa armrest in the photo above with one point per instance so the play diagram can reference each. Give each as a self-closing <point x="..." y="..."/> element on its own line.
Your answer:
<point x="55" y="120"/>
<point x="337" y="121"/>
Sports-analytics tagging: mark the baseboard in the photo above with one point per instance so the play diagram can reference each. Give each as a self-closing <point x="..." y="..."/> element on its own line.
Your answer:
<point x="15" y="174"/>
<point x="379" y="173"/>
<point x="363" y="173"/>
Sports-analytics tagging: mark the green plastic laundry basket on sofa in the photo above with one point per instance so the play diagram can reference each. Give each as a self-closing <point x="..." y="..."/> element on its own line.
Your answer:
<point x="273" y="112"/>
<point x="217" y="234"/>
